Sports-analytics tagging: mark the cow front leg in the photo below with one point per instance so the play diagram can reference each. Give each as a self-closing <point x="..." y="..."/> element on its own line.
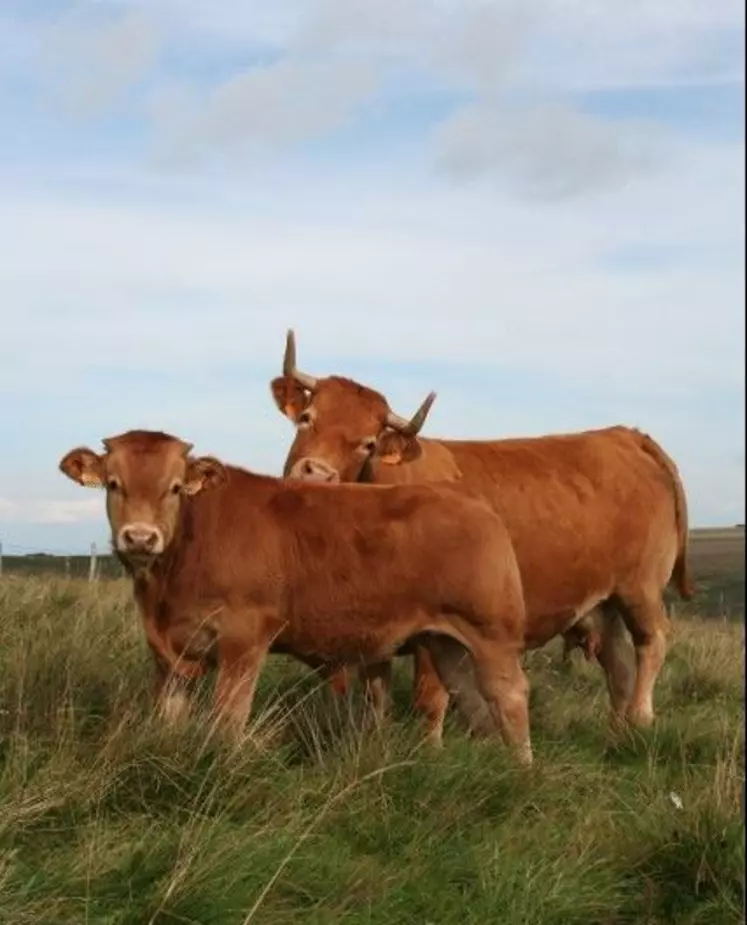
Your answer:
<point x="377" y="679"/>
<point x="338" y="679"/>
<point x="431" y="698"/>
<point x="239" y="665"/>
<point x="171" y="693"/>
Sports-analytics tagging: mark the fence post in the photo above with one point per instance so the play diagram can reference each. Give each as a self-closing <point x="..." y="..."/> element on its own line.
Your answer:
<point x="92" y="566"/>
<point x="67" y="566"/>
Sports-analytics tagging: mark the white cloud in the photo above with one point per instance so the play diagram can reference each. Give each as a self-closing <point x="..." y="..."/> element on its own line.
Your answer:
<point x="485" y="42"/>
<point x="475" y="43"/>
<point x="568" y="43"/>
<point x="35" y="511"/>
<point x="273" y="106"/>
<point x="90" y="64"/>
<point x="549" y="151"/>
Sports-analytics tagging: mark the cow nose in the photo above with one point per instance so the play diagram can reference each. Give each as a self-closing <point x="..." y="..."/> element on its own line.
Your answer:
<point x="140" y="538"/>
<point x="314" y="470"/>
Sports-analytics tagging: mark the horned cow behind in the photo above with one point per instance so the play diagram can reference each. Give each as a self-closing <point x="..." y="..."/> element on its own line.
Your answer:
<point x="228" y="566"/>
<point x="598" y="519"/>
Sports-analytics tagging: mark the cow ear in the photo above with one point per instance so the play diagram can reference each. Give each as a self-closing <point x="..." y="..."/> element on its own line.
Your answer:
<point x="394" y="448"/>
<point x="202" y="473"/>
<point x="84" y="467"/>
<point x="290" y="397"/>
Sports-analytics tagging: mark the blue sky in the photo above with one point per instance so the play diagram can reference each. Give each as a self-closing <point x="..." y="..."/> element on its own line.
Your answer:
<point x="536" y="208"/>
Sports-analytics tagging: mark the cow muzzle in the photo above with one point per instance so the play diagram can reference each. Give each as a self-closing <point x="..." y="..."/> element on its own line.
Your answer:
<point x="140" y="539"/>
<point x="314" y="470"/>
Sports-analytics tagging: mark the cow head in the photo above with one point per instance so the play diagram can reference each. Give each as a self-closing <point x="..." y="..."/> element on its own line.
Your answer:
<point x="146" y="475"/>
<point x="341" y="426"/>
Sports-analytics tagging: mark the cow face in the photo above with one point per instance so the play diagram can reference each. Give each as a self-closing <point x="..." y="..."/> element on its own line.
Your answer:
<point x="341" y="427"/>
<point x="146" y="476"/>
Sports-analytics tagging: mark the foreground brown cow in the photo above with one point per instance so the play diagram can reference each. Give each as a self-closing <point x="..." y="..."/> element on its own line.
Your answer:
<point x="597" y="518"/>
<point x="228" y="565"/>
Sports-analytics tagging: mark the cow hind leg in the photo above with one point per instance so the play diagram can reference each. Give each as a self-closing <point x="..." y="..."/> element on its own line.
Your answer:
<point x="456" y="668"/>
<point x="505" y="687"/>
<point x="648" y="623"/>
<point x="614" y="657"/>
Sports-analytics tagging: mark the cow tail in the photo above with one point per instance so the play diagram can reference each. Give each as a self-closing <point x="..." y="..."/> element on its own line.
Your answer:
<point x="680" y="571"/>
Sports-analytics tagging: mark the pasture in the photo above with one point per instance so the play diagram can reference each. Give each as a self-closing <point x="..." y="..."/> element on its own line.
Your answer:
<point x="105" y="817"/>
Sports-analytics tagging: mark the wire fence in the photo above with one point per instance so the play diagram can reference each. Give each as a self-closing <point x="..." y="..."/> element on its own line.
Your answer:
<point x="94" y="565"/>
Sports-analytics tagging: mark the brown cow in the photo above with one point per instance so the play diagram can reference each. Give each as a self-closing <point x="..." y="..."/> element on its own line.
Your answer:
<point x="228" y="565"/>
<point x="598" y="519"/>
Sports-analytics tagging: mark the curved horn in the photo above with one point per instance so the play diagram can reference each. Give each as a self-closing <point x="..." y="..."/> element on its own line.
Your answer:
<point x="289" y="364"/>
<point x="411" y="427"/>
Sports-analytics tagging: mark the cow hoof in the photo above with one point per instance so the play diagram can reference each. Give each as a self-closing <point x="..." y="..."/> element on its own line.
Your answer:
<point x="643" y="719"/>
<point x="524" y="756"/>
<point x="618" y="721"/>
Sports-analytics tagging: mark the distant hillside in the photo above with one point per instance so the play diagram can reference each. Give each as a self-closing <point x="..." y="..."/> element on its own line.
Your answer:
<point x="717" y="561"/>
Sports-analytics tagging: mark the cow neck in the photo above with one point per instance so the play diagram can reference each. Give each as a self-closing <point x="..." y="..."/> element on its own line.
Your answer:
<point x="150" y="580"/>
<point x="150" y="589"/>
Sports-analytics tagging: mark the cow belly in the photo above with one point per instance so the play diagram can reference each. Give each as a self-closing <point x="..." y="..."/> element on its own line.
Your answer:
<point x="348" y="639"/>
<point x="541" y="627"/>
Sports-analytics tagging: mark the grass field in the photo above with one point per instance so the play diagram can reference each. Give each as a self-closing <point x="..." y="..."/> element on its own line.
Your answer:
<point x="105" y="817"/>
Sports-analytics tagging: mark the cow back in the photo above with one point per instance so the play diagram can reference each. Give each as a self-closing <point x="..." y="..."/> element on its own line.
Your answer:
<point x="583" y="510"/>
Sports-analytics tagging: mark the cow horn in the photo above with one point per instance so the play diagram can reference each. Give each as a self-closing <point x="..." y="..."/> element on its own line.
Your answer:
<point x="411" y="427"/>
<point x="289" y="364"/>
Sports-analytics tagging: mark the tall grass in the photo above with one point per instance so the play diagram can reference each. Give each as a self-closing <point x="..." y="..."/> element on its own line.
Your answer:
<point x="107" y="817"/>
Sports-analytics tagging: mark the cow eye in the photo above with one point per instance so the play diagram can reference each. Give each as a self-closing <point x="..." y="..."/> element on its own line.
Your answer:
<point x="176" y="488"/>
<point x="112" y="484"/>
<point x="304" y="419"/>
<point x="369" y="445"/>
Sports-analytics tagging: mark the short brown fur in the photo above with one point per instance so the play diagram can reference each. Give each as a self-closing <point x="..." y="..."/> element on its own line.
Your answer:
<point x="598" y="520"/>
<point x="334" y="575"/>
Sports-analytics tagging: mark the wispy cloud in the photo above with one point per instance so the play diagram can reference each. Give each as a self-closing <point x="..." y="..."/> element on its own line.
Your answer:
<point x="326" y="59"/>
<point x="91" y="64"/>
<point x="545" y="151"/>
<point x="265" y="107"/>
